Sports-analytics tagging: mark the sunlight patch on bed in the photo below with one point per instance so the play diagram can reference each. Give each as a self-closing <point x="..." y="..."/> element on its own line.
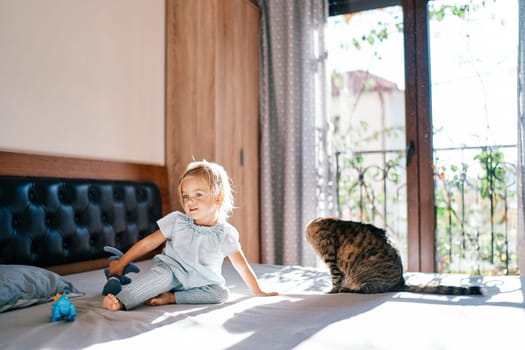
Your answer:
<point x="185" y="336"/>
<point x="218" y="314"/>
<point x="167" y="315"/>
<point x="297" y="279"/>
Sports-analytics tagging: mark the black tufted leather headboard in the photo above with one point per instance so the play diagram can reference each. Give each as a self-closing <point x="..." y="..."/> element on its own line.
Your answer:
<point x="53" y="221"/>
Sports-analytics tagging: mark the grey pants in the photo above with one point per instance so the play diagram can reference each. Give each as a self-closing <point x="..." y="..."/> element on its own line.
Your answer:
<point x="160" y="279"/>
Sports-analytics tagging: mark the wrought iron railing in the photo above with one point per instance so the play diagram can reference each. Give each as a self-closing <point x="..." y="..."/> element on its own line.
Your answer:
<point x="475" y="203"/>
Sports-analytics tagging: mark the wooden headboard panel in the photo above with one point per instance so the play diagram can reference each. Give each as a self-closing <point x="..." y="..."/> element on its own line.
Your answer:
<point x="23" y="164"/>
<point x="36" y="166"/>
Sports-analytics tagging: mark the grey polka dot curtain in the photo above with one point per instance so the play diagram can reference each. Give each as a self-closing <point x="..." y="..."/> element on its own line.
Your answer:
<point x="521" y="137"/>
<point x="295" y="151"/>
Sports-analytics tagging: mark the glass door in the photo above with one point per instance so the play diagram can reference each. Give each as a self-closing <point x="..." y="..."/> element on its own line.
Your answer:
<point x="473" y="54"/>
<point x="367" y="111"/>
<point x="424" y="115"/>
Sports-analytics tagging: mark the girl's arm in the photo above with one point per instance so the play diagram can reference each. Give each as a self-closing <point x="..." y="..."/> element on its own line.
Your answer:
<point x="240" y="263"/>
<point x="144" y="246"/>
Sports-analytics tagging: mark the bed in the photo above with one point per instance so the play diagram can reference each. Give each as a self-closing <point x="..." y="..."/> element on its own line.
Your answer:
<point x="89" y="214"/>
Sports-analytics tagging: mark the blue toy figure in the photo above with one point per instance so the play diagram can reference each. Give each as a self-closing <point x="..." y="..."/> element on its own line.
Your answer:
<point x="115" y="282"/>
<point x="62" y="308"/>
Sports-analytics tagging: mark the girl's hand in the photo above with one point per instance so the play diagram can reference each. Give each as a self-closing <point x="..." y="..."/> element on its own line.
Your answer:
<point x="116" y="267"/>
<point x="266" y="294"/>
<point x="244" y="269"/>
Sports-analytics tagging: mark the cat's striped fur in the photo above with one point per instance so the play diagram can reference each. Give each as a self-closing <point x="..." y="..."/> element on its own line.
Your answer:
<point x="362" y="259"/>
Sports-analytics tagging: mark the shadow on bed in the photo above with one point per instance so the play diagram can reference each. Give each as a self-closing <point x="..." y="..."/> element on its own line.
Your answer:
<point x="288" y="323"/>
<point x="284" y="325"/>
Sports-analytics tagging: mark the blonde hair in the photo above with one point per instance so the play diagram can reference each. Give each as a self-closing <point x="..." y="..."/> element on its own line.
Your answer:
<point x="218" y="180"/>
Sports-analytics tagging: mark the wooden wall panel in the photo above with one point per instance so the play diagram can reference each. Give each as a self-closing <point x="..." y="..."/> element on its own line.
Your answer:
<point x="190" y="90"/>
<point x="237" y="108"/>
<point x="212" y="67"/>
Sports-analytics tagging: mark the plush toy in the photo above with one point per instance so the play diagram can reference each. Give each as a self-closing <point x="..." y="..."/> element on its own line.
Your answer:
<point x="114" y="282"/>
<point x="62" y="308"/>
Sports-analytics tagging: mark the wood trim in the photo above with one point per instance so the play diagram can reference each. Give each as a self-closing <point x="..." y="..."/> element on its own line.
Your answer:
<point x="413" y="242"/>
<point x="83" y="266"/>
<point x="25" y="164"/>
<point x="89" y="265"/>
<point x="420" y="178"/>
<point x="425" y="142"/>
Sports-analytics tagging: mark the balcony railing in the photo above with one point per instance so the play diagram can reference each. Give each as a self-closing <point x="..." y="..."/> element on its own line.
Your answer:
<point x="475" y="203"/>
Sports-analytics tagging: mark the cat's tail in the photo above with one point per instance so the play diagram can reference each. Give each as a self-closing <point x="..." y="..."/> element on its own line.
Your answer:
<point x="444" y="290"/>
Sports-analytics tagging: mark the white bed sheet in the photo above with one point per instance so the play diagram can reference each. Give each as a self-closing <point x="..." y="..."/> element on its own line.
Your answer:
<point x="301" y="317"/>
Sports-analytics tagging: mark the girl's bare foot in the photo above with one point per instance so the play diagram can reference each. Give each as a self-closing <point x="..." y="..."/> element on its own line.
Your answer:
<point x="162" y="299"/>
<point x="111" y="303"/>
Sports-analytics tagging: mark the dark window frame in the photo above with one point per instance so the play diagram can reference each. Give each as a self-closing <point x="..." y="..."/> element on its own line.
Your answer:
<point x="420" y="174"/>
<point x="339" y="7"/>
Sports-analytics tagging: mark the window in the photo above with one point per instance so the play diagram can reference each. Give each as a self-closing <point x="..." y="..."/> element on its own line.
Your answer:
<point x="424" y="120"/>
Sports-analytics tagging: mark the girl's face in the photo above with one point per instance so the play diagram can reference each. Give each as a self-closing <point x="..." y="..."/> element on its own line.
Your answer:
<point x="198" y="202"/>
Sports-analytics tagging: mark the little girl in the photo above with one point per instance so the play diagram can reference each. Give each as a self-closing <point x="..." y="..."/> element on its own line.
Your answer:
<point x="188" y="271"/>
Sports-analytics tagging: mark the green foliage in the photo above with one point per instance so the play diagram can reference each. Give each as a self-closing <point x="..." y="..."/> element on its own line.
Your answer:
<point x="470" y="202"/>
<point x="493" y="179"/>
<point x="376" y="35"/>
<point x="436" y="11"/>
<point x="460" y="198"/>
<point x="440" y="13"/>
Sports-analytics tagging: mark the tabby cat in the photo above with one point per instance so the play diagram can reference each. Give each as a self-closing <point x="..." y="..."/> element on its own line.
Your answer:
<point x="362" y="259"/>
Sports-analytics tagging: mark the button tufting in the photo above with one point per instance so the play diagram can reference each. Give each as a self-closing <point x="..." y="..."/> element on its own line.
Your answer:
<point x="93" y="195"/>
<point x="142" y="195"/>
<point x="15" y="223"/>
<point x="46" y="221"/>
<point x="118" y="194"/>
<point x="51" y="220"/>
<point x="78" y="218"/>
<point x="31" y="195"/>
